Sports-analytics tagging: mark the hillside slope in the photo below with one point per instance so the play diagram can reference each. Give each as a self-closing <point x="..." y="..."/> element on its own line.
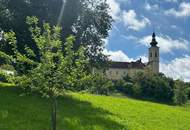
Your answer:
<point x="89" y="112"/>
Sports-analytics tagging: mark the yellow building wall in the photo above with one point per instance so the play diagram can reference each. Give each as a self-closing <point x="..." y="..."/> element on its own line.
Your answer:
<point x="117" y="74"/>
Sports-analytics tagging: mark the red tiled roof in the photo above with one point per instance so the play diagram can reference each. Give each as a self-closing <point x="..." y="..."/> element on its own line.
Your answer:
<point x="127" y="65"/>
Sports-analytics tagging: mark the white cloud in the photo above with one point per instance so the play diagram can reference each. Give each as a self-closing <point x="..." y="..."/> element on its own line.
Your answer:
<point x="144" y="58"/>
<point x="166" y="43"/>
<point x="129" y="37"/>
<point x="183" y="11"/>
<point x="179" y="68"/>
<point x="117" y="55"/>
<point x="122" y="57"/>
<point x="132" y="22"/>
<point x="149" y="7"/>
<point x="173" y="1"/>
<point x="115" y="9"/>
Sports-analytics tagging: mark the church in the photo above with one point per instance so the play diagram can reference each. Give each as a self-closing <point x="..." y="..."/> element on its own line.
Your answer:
<point x="117" y="70"/>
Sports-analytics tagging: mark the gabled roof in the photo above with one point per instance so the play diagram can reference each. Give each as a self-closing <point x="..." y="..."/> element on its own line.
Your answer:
<point x="127" y="65"/>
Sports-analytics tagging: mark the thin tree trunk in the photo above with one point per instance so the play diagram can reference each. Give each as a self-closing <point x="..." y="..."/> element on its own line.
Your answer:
<point x="53" y="113"/>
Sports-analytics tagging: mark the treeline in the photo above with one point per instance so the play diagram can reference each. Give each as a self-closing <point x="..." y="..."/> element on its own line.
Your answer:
<point x="157" y="88"/>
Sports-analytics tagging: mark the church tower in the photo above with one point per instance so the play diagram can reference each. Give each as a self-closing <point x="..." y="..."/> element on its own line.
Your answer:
<point x="153" y="63"/>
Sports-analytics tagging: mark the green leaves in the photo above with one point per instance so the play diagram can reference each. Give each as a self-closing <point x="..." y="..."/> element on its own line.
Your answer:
<point x="32" y="20"/>
<point x="180" y="93"/>
<point x="48" y="40"/>
<point x="56" y="70"/>
<point x="10" y="38"/>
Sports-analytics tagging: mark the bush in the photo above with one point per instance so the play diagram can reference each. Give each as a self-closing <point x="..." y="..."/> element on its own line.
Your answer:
<point x="137" y="90"/>
<point x="7" y="67"/>
<point x="188" y="92"/>
<point x="101" y="85"/>
<point x="124" y="87"/>
<point x="5" y="59"/>
<point x="4" y="77"/>
<point x="119" y="85"/>
<point x="180" y="93"/>
<point x="154" y="87"/>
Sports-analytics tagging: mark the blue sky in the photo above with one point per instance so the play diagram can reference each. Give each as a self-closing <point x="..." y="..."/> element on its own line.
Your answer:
<point x="134" y="22"/>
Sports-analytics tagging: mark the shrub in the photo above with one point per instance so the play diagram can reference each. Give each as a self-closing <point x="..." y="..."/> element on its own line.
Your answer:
<point x="119" y="85"/>
<point x="155" y="87"/>
<point x="137" y="90"/>
<point x="5" y="59"/>
<point x="7" y="67"/>
<point x="4" y="77"/>
<point x="180" y="93"/>
<point x="124" y="87"/>
<point x="101" y="85"/>
<point x="188" y="92"/>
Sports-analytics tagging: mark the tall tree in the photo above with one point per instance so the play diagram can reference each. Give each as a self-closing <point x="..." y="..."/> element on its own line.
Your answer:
<point x="88" y="20"/>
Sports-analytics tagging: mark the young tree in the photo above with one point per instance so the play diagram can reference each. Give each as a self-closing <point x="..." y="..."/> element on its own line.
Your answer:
<point x="56" y="70"/>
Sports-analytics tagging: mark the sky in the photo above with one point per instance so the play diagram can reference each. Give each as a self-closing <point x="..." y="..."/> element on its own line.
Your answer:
<point x="134" y="22"/>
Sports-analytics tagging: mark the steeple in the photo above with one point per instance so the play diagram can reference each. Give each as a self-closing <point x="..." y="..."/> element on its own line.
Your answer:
<point x="154" y="55"/>
<point x="153" y="42"/>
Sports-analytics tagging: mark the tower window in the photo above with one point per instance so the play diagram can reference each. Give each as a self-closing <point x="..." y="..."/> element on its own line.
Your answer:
<point x="156" y="55"/>
<point x="151" y="54"/>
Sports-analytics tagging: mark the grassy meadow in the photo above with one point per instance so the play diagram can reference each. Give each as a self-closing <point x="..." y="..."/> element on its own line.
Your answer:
<point x="88" y="112"/>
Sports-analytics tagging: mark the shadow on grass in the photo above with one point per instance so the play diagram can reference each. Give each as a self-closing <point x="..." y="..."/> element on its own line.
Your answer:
<point x="78" y="115"/>
<point x="72" y="114"/>
<point x="151" y="100"/>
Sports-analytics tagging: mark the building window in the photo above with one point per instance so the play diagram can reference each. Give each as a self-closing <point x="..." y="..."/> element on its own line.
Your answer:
<point x="156" y="55"/>
<point x="110" y="72"/>
<point x="116" y="72"/>
<point x="150" y="54"/>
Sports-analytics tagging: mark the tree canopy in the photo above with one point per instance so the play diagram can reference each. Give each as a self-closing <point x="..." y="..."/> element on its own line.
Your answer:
<point x="88" y="20"/>
<point x="55" y="71"/>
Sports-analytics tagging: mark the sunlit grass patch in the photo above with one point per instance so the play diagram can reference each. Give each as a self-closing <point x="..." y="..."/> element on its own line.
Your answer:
<point x="89" y="112"/>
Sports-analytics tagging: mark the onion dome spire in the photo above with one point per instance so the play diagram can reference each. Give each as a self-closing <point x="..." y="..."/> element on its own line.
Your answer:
<point x="153" y="42"/>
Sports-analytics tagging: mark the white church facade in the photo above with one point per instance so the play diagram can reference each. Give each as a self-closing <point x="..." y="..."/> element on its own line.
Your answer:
<point x="117" y="70"/>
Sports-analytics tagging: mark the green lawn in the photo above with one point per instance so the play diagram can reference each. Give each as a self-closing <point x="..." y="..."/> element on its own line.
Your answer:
<point x="89" y="112"/>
